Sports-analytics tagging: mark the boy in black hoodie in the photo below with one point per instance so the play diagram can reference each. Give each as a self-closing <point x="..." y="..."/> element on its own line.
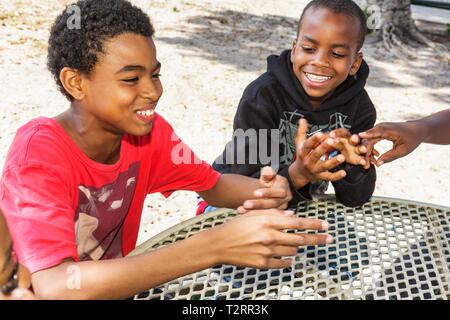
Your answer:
<point x="321" y="80"/>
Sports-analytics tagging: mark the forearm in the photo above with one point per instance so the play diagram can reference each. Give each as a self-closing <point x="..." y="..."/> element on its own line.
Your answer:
<point x="231" y="190"/>
<point x="436" y="127"/>
<point x="122" y="278"/>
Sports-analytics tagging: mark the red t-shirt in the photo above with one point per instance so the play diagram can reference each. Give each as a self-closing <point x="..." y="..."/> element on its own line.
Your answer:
<point x="61" y="204"/>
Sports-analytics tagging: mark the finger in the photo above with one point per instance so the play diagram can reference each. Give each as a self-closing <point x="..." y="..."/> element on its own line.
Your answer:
<point x="332" y="176"/>
<point x="302" y="130"/>
<point x="242" y="210"/>
<point x="354" y="140"/>
<point x="278" y="263"/>
<point x="375" y="152"/>
<point x="308" y="146"/>
<point x="315" y="239"/>
<point x="296" y="223"/>
<point x="301" y="239"/>
<point x="263" y="204"/>
<point x="283" y="206"/>
<point x="330" y="164"/>
<point x="341" y="132"/>
<point x="361" y="149"/>
<point x="285" y="250"/>
<point x="374" y="133"/>
<point x="389" y="156"/>
<point x="267" y="176"/>
<point x="270" y="193"/>
<point x="368" y="145"/>
<point x="321" y="150"/>
<point x="22" y="294"/>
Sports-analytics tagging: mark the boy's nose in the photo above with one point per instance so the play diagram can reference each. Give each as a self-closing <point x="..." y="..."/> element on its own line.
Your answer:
<point x="321" y="59"/>
<point x="152" y="90"/>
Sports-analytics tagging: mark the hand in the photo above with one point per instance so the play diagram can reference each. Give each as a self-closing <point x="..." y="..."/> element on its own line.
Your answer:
<point x="274" y="194"/>
<point x="18" y="294"/>
<point x="307" y="166"/>
<point x="406" y="137"/>
<point x="348" y="145"/>
<point x="21" y="292"/>
<point x="257" y="239"/>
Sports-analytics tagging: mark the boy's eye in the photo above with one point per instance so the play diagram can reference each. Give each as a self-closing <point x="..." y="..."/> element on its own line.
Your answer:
<point x="307" y="49"/>
<point x="156" y="76"/>
<point x="135" y="79"/>
<point x="339" y="55"/>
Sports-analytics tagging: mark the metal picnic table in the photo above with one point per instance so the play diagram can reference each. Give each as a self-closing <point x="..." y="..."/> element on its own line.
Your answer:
<point x="387" y="249"/>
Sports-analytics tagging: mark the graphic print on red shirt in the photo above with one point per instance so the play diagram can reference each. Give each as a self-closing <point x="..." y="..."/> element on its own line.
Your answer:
<point x="109" y="204"/>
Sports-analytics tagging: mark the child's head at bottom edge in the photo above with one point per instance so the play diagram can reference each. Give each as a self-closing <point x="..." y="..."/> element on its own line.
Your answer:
<point x="106" y="63"/>
<point x="330" y="35"/>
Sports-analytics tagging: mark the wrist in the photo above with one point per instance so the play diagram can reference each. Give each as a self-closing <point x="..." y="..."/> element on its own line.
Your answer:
<point x="298" y="180"/>
<point x="210" y="244"/>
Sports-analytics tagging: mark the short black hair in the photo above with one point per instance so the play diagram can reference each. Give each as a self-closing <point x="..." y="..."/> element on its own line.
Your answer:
<point x="347" y="7"/>
<point x="79" y="46"/>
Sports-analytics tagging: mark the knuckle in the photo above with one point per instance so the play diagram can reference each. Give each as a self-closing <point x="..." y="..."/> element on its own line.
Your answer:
<point x="267" y="241"/>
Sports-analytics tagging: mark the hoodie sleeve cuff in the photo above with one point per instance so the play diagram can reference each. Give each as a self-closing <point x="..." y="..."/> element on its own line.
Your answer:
<point x="302" y="194"/>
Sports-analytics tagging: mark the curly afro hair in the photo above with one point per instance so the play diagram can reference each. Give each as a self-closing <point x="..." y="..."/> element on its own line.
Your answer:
<point x="80" y="47"/>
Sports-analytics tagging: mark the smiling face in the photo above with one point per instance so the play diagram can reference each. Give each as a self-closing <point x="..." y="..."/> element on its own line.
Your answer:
<point x="121" y="93"/>
<point x="325" y="52"/>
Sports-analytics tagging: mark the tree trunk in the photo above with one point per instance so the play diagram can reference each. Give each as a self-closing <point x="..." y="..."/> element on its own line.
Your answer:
<point x="392" y="23"/>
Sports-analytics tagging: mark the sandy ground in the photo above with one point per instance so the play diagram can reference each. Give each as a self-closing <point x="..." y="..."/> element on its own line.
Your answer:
<point x="210" y="51"/>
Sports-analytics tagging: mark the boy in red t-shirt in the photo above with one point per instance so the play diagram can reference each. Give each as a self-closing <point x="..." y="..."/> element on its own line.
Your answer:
<point x="73" y="186"/>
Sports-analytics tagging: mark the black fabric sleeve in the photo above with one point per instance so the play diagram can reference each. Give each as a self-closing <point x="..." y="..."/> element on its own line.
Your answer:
<point x="254" y="124"/>
<point x="358" y="185"/>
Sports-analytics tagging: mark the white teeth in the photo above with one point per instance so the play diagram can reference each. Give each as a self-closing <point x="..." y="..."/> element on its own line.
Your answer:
<point x="146" y="113"/>
<point x="313" y="77"/>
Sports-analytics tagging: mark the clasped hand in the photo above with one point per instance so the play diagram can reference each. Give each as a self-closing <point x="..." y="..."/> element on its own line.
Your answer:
<point x="307" y="166"/>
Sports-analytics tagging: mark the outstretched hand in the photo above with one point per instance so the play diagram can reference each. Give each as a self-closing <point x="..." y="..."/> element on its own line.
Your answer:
<point x="406" y="137"/>
<point x="274" y="194"/>
<point x="258" y="238"/>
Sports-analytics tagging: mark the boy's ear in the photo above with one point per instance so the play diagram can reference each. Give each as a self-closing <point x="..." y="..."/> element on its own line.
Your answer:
<point x="356" y="64"/>
<point x="294" y="45"/>
<point x="71" y="80"/>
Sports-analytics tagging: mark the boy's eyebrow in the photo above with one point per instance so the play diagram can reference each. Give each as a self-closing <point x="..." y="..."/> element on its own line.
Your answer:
<point x="343" y="45"/>
<point x="138" y="68"/>
<point x="337" y="45"/>
<point x="306" y="38"/>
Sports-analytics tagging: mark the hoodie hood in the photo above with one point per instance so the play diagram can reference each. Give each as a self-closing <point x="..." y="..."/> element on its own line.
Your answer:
<point x="280" y="67"/>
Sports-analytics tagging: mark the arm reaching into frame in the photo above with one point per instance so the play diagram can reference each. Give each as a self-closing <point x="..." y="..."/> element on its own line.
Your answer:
<point x="407" y="136"/>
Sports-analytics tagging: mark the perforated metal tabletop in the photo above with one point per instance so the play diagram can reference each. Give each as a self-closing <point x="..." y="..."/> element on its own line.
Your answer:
<point x="387" y="249"/>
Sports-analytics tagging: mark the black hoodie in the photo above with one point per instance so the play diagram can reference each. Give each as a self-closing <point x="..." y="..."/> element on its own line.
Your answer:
<point x="277" y="100"/>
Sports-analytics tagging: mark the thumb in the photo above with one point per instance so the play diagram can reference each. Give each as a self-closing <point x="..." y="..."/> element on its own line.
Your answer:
<point x="388" y="156"/>
<point x="267" y="176"/>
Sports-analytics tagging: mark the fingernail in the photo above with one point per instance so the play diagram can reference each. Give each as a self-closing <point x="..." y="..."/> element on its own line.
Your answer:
<point x="288" y="212"/>
<point x="325" y="225"/>
<point x="329" y="239"/>
<point x="258" y="193"/>
<point x="380" y="163"/>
